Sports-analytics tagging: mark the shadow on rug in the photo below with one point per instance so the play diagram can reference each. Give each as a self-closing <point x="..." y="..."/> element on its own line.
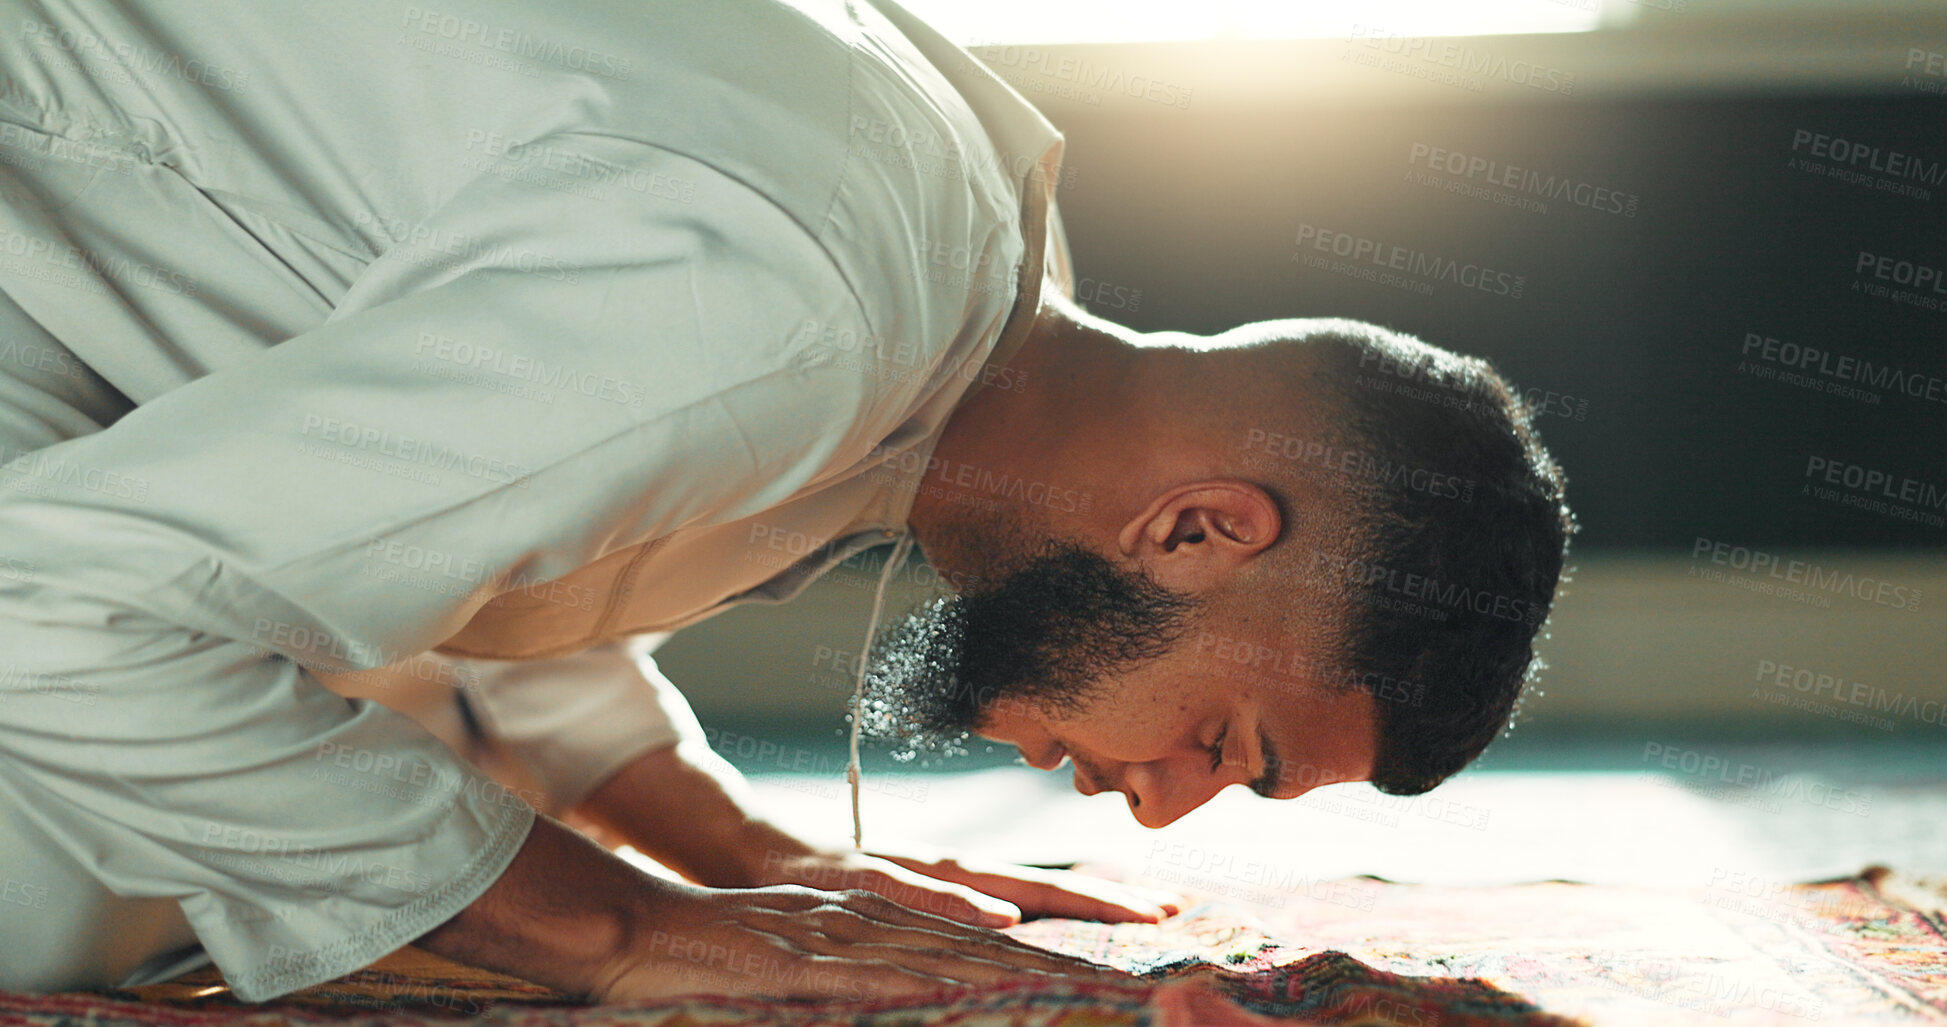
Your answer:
<point x="1352" y="953"/>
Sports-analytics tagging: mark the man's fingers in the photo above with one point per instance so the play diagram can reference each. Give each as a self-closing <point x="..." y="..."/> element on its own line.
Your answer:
<point x="947" y="899"/>
<point x="1073" y="896"/>
<point x="921" y="891"/>
<point x="864" y="920"/>
<point x="1056" y="892"/>
<point x="1113" y="893"/>
<point x="1085" y="898"/>
<point x="1055" y="902"/>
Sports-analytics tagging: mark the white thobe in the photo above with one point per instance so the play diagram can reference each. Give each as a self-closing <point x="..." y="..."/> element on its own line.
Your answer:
<point x="336" y="333"/>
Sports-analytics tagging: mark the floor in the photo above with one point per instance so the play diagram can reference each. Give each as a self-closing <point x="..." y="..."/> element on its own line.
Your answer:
<point x="1662" y="812"/>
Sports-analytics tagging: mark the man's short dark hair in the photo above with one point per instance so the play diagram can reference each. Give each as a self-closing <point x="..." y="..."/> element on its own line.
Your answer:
<point x="1455" y="531"/>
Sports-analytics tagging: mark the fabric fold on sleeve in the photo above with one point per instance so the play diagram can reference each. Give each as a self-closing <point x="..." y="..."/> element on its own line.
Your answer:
<point x="575" y="721"/>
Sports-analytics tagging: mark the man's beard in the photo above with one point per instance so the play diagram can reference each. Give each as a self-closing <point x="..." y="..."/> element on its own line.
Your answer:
<point x="1047" y="635"/>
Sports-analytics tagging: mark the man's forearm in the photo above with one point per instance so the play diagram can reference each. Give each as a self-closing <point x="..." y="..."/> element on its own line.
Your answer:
<point x="691" y="811"/>
<point x="564" y="914"/>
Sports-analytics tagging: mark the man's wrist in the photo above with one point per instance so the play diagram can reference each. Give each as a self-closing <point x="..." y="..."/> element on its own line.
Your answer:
<point x="565" y="913"/>
<point x="686" y="808"/>
<point x="767" y="851"/>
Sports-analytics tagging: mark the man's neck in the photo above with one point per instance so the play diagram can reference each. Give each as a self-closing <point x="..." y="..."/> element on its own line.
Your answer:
<point x="1073" y="371"/>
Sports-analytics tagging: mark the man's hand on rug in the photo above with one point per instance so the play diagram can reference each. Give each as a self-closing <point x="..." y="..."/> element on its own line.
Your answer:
<point x="573" y="916"/>
<point x="802" y="943"/>
<point x="1058" y="893"/>
<point x="917" y="890"/>
<point x="985" y="895"/>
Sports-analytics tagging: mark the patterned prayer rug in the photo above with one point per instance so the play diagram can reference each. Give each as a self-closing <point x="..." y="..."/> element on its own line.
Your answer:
<point x="1359" y="952"/>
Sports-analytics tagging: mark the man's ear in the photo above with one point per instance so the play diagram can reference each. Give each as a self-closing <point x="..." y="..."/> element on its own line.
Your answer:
<point x="1197" y="535"/>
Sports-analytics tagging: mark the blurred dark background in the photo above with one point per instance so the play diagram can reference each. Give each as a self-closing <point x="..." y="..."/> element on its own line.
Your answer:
<point x="1638" y="323"/>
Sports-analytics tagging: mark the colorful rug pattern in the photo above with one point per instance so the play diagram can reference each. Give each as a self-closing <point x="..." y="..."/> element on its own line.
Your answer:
<point x="1359" y="953"/>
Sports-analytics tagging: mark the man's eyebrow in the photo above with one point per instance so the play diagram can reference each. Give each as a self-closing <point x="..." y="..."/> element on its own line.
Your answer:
<point x="1267" y="783"/>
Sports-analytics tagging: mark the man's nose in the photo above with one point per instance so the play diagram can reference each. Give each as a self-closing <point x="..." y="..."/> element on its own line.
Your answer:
<point x="1158" y="798"/>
